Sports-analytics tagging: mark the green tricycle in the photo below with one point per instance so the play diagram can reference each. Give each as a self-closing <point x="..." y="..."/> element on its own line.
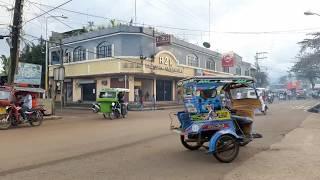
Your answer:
<point x="111" y="103"/>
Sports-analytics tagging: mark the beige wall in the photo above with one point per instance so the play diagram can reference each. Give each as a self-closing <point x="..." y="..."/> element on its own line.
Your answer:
<point x="76" y="95"/>
<point x="101" y="86"/>
<point x="131" y="88"/>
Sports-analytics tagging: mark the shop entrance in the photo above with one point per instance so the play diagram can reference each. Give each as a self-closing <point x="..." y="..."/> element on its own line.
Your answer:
<point x="164" y="90"/>
<point x="89" y="92"/>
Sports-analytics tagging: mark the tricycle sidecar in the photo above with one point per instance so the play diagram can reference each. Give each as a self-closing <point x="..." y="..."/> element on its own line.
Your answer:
<point x="212" y="116"/>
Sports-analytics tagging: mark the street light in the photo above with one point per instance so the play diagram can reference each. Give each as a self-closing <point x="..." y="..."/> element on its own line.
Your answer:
<point x="47" y="56"/>
<point x="309" y="13"/>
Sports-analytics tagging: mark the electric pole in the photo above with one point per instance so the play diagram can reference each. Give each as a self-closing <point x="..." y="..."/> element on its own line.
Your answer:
<point x="15" y="35"/>
<point x="257" y="58"/>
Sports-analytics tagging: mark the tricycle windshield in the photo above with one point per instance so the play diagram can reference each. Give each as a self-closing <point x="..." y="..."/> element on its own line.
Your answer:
<point x="4" y="95"/>
<point x="108" y="94"/>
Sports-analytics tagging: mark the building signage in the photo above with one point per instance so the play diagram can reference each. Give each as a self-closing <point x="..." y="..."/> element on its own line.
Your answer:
<point x="165" y="61"/>
<point x="228" y="60"/>
<point x="164" y="68"/>
<point x="163" y="40"/>
<point x="29" y="74"/>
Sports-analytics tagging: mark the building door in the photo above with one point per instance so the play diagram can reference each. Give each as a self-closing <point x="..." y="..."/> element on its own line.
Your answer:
<point x="89" y="92"/>
<point x="164" y="90"/>
<point x="68" y="91"/>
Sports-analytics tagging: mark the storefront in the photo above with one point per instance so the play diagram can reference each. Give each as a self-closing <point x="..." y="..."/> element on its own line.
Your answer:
<point x="146" y="80"/>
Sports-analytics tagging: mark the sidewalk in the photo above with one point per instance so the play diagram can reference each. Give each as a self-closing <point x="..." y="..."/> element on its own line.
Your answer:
<point x="132" y="107"/>
<point x="297" y="156"/>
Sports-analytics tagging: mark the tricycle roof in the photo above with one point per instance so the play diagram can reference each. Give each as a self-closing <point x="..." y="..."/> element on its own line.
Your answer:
<point x="218" y="79"/>
<point x="115" y="89"/>
<point x="26" y="89"/>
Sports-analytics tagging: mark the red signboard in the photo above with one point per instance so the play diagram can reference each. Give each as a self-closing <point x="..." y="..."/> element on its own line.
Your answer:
<point x="163" y="40"/>
<point x="227" y="60"/>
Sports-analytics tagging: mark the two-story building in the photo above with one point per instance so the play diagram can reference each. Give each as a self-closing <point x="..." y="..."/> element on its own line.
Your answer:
<point x="129" y="57"/>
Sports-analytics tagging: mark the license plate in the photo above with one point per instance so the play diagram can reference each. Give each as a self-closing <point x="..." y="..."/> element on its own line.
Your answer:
<point x="3" y="111"/>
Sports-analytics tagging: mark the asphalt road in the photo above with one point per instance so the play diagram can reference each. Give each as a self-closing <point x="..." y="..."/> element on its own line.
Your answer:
<point x="83" y="145"/>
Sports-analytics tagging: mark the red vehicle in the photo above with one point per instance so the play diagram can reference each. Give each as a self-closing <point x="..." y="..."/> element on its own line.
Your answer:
<point x="10" y="106"/>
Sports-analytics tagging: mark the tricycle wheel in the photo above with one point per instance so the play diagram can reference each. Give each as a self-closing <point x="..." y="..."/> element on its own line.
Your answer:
<point x="112" y="115"/>
<point x="190" y="145"/>
<point x="227" y="148"/>
<point x="105" y="115"/>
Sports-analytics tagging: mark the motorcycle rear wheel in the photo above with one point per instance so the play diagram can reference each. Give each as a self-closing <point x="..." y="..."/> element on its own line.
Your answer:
<point x="37" y="119"/>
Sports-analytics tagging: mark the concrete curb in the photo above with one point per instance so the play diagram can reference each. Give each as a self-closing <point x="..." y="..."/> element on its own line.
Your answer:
<point x="52" y="118"/>
<point x="315" y="109"/>
<point x="157" y="108"/>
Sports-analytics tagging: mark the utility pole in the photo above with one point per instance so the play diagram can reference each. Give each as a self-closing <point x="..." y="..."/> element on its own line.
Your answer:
<point x="135" y="12"/>
<point x="15" y="35"/>
<point x="257" y="58"/>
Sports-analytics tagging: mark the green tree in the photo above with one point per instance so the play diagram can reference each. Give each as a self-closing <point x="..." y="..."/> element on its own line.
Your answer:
<point x="35" y="54"/>
<point x="308" y="68"/>
<point x="308" y="65"/>
<point x="283" y="79"/>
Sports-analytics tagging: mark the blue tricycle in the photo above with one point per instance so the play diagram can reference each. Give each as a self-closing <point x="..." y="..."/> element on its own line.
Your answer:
<point x="215" y="116"/>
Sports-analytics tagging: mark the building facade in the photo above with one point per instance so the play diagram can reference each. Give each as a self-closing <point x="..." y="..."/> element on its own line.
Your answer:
<point x="127" y="57"/>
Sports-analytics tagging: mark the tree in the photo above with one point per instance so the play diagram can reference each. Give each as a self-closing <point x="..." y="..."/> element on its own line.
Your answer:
<point x="35" y="54"/>
<point x="5" y="65"/>
<point x="308" y="65"/>
<point x="283" y="79"/>
<point x="308" y="68"/>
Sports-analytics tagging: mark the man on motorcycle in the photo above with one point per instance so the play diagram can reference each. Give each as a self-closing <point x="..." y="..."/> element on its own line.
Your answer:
<point x="26" y="106"/>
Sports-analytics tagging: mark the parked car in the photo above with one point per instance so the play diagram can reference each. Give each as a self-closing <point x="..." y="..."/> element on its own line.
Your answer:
<point x="301" y="94"/>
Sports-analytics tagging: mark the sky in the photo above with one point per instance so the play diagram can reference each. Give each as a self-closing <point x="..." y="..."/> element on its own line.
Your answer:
<point x="242" y="26"/>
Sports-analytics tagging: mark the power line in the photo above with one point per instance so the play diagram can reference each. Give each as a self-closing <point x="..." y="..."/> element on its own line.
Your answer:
<point x="57" y="19"/>
<point x="185" y="29"/>
<point x="54" y="8"/>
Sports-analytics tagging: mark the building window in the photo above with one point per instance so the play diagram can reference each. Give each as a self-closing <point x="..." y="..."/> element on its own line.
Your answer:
<point x="192" y="60"/>
<point x="55" y="57"/>
<point x="104" y="50"/>
<point x="211" y="64"/>
<point x="247" y="73"/>
<point x="226" y="69"/>
<point x="238" y="71"/>
<point x="67" y="56"/>
<point x="79" y="54"/>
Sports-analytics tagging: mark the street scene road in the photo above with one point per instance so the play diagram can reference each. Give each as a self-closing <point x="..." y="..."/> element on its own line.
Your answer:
<point x="83" y="145"/>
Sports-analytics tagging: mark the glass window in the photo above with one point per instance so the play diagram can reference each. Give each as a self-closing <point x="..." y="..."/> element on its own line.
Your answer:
<point x="247" y="73"/>
<point x="192" y="60"/>
<point x="55" y="58"/>
<point x="211" y="64"/>
<point x="238" y="70"/>
<point x="226" y="69"/>
<point x="107" y="94"/>
<point x="79" y="54"/>
<point x="104" y="50"/>
<point x="67" y="56"/>
<point x="4" y="95"/>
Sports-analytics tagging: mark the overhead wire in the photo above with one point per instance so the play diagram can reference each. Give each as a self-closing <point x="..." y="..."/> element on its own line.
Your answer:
<point x="46" y="12"/>
<point x="180" y="28"/>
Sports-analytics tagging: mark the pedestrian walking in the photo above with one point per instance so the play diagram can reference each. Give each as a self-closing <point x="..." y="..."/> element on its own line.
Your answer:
<point x="141" y="103"/>
<point x="154" y="101"/>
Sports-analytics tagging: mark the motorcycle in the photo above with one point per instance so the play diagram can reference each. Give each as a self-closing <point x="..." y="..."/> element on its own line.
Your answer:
<point x="12" y="117"/>
<point x="270" y="99"/>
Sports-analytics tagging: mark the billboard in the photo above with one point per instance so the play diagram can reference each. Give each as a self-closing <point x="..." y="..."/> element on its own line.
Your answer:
<point x="228" y="60"/>
<point x="28" y="74"/>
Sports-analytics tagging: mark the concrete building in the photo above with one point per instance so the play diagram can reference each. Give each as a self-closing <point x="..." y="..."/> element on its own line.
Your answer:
<point x="130" y="57"/>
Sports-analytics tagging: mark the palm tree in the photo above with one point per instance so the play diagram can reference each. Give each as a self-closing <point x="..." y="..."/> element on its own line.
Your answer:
<point x="5" y="64"/>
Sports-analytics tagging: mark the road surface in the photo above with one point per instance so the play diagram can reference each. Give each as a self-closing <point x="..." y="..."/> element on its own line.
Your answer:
<point x="83" y="145"/>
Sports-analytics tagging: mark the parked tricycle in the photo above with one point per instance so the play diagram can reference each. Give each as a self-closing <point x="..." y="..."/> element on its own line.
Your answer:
<point x="13" y="111"/>
<point x="215" y="116"/>
<point x="111" y="103"/>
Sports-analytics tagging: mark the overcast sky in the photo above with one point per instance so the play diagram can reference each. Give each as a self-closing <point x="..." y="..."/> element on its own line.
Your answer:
<point x="232" y="22"/>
